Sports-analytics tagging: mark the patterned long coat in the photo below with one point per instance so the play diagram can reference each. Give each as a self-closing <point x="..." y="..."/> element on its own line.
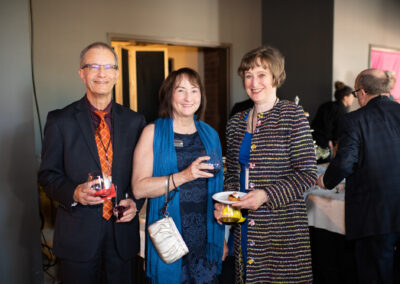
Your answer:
<point x="282" y="162"/>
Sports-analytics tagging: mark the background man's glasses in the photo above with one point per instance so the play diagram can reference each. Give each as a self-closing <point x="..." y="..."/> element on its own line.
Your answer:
<point x="355" y="92"/>
<point x="97" y="67"/>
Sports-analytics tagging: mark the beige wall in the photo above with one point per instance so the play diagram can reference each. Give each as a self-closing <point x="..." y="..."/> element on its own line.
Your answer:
<point x="20" y="252"/>
<point x="357" y="24"/>
<point x="63" y="28"/>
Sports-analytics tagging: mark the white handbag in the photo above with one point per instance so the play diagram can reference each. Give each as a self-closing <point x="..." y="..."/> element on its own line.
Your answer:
<point x="165" y="236"/>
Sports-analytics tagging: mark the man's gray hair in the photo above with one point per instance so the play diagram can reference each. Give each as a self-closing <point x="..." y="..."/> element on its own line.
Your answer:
<point x="374" y="82"/>
<point x="97" y="44"/>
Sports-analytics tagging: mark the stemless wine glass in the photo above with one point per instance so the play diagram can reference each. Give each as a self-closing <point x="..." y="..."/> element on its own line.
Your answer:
<point x="98" y="177"/>
<point x="215" y="161"/>
<point x="103" y="182"/>
<point x="230" y="215"/>
<point x="119" y="210"/>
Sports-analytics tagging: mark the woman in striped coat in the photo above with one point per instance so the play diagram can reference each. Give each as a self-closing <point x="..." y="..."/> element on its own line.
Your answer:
<point x="270" y="155"/>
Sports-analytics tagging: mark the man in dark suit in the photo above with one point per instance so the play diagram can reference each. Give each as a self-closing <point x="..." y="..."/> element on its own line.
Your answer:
<point x="87" y="241"/>
<point x="369" y="158"/>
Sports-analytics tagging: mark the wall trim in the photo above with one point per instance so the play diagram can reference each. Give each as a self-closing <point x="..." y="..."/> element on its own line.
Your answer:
<point x="162" y="40"/>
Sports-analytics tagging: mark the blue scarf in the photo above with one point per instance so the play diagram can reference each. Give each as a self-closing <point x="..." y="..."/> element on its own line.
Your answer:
<point x="165" y="163"/>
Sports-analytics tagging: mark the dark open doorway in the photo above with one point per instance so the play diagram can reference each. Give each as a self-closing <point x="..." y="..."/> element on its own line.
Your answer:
<point x="144" y="65"/>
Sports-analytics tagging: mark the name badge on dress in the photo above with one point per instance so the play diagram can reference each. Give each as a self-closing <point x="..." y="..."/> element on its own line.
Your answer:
<point x="178" y="143"/>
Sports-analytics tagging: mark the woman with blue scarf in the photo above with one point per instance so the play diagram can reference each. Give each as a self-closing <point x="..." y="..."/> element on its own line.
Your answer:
<point x="176" y="147"/>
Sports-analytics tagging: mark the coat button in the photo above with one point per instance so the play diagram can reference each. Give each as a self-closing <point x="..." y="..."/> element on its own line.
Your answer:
<point x="252" y="165"/>
<point x="252" y="185"/>
<point x="252" y="243"/>
<point x="250" y="260"/>
<point x="259" y="123"/>
<point x="252" y="222"/>
<point x="260" y="115"/>
<point x="253" y="146"/>
<point x="256" y="130"/>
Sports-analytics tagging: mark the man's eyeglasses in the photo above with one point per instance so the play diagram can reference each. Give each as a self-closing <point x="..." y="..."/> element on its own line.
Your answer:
<point x="355" y="92"/>
<point x="97" y="67"/>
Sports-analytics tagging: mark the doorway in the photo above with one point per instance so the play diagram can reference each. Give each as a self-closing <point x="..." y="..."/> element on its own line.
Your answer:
<point x="145" y="64"/>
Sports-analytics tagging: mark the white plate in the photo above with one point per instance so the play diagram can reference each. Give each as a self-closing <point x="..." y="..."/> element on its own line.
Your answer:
<point x="222" y="197"/>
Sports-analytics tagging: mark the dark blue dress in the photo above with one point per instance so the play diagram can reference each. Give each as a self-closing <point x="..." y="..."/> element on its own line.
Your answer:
<point x="193" y="210"/>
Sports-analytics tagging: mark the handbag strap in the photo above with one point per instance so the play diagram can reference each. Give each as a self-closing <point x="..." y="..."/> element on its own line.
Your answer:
<point x="163" y="211"/>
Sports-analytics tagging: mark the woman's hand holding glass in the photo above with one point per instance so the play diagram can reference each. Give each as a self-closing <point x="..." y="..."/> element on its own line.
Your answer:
<point x="214" y="161"/>
<point x="198" y="169"/>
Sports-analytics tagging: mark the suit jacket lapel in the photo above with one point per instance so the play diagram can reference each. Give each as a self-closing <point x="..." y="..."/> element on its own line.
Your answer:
<point x="117" y="137"/>
<point x="83" y="119"/>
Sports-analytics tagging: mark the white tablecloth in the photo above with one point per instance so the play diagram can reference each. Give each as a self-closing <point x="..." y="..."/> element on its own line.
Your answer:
<point x="325" y="209"/>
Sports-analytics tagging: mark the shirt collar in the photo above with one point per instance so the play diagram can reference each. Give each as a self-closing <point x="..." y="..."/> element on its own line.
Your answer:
<point x="107" y="109"/>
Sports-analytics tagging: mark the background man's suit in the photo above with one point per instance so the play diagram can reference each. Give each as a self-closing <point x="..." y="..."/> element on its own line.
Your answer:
<point x="369" y="157"/>
<point x="369" y="152"/>
<point x="69" y="154"/>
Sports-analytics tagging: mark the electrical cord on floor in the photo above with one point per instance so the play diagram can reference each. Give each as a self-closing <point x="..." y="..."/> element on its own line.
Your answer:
<point x="50" y="257"/>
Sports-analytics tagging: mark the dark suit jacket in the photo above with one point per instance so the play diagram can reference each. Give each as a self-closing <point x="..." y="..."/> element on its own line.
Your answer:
<point x="69" y="154"/>
<point x="369" y="158"/>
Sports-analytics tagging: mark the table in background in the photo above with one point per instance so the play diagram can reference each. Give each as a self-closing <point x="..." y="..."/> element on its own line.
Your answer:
<point x="325" y="209"/>
<point x="332" y="255"/>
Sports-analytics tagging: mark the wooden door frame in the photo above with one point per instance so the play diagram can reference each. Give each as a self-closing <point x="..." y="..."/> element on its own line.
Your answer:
<point x="118" y="46"/>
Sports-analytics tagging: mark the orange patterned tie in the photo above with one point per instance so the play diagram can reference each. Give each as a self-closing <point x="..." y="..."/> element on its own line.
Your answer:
<point x="105" y="150"/>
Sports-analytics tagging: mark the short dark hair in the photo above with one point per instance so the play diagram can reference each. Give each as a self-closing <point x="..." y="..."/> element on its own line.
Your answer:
<point x="374" y="81"/>
<point x="270" y="58"/>
<point x="165" y="94"/>
<point x="97" y="44"/>
<point x="342" y="90"/>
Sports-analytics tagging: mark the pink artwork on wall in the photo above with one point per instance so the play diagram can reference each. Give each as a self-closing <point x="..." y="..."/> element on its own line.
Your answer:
<point x="388" y="60"/>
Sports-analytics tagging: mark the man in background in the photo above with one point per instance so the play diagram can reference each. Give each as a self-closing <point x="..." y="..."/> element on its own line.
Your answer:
<point x="369" y="158"/>
<point x="93" y="134"/>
